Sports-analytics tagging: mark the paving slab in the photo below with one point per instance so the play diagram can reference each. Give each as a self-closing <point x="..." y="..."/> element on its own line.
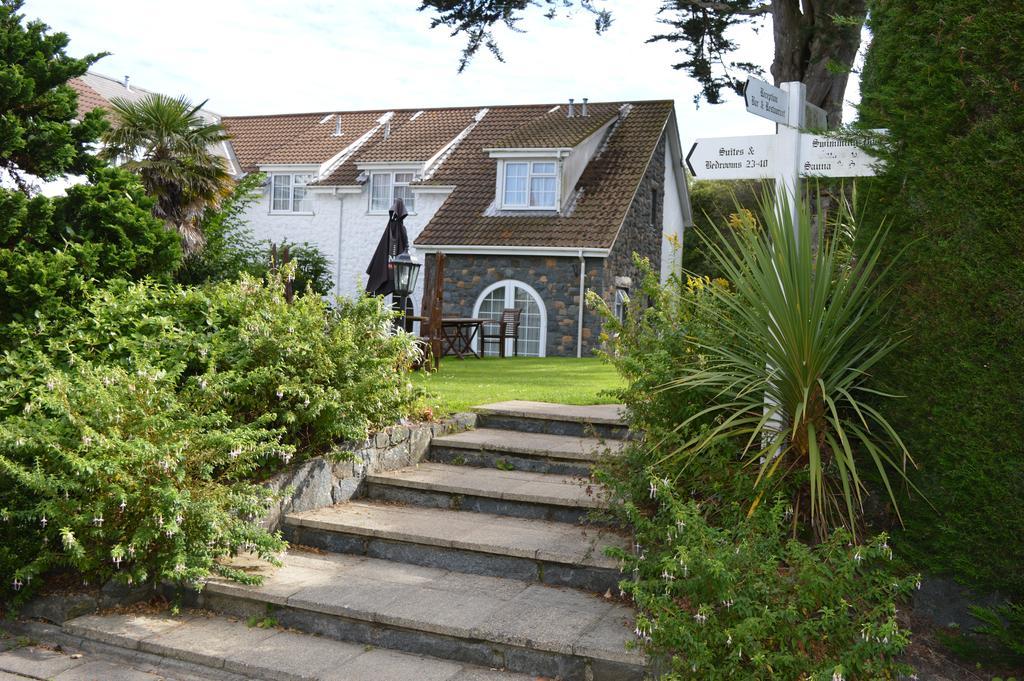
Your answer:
<point x="547" y="618"/>
<point x="291" y="656"/>
<point x="274" y="654"/>
<point x="379" y="664"/>
<point x="607" y="414"/>
<point x="540" y="488"/>
<point x="205" y="640"/>
<point x="531" y="444"/>
<point x="104" y="670"/>
<point x="122" y="630"/>
<point x="35" y="662"/>
<point x="480" y="532"/>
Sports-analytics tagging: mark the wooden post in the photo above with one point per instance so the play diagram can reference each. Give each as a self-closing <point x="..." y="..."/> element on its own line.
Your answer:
<point x="436" y="310"/>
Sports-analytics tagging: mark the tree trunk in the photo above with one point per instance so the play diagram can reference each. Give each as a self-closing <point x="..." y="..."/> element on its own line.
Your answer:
<point x="812" y="48"/>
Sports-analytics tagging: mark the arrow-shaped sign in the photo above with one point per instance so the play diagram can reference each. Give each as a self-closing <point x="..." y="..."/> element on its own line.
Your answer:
<point x="767" y="101"/>
<point x="748" y="157"/>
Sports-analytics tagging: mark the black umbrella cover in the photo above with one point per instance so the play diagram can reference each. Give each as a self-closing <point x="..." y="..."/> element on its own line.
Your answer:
<point x="395" y="240"/>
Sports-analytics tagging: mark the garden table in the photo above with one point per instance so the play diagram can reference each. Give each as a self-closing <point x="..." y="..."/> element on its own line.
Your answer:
<point x="457" y="334"/>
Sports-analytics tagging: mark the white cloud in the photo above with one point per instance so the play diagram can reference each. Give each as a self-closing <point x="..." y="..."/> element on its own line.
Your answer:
<point x="263" y="56"/>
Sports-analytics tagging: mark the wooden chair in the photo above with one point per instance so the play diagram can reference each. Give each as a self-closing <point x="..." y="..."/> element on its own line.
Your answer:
<point x="508" y="329"/>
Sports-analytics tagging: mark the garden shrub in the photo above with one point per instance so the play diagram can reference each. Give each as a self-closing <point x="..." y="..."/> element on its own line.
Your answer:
<point x="111" y="472"/>
<point x="947" y="80"/>
<point x="722" y="594"/>
<point x="747" y="601"/>
<point x="176" y="401"/>
<point x="320" y="373"/>
<point x="53" y="250"/>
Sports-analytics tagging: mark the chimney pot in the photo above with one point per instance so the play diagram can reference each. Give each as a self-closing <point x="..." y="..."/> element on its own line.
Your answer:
<point x="572" y="109"/>
<point x="583" y="109"/>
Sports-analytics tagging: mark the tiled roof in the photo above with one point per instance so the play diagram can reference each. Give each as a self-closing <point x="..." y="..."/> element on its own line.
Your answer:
<point x="555" y="129"/>
<point x="256" y="137"/>
<point x="420" y="138"/>
<point x="88" y="99"/>
<point x="604" y="191"/>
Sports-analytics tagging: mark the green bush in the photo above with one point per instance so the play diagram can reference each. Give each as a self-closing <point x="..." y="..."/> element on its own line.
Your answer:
<point x="746" y="601"/>
<point x="320" y="373"/>
<point x="724" y="592"/>
<point x="947" y="79"/>
<point x="111" y="472"/>
<point x="52" y="251"/>
<point x="175" y="401"/>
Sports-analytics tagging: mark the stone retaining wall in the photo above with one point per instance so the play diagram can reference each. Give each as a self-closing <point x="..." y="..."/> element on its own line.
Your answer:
<point x="324" y="481"/>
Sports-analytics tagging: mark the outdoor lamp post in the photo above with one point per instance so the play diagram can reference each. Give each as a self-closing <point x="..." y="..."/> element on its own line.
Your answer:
<point x="404" y="270"/>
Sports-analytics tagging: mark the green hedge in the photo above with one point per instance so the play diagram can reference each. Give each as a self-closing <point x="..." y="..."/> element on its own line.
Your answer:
<point x="946" y="77"/>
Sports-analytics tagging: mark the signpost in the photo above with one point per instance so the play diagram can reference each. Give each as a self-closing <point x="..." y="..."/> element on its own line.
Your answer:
<point x="733" y="158"/>
<point x="787" y="155"/>
<point x="767" y="101"/>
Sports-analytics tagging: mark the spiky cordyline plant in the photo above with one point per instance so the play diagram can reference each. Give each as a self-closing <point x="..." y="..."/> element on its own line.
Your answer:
<point x="805" y="328"/>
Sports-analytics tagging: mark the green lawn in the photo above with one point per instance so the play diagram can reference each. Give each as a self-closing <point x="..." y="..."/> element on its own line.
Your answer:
<point x="461" y="384"/>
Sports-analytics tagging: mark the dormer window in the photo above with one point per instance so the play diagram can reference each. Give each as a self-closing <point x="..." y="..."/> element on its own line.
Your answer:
<point x="530" y="184"/>
<point x="387" y="186"/>
<point x="288" y="193"/>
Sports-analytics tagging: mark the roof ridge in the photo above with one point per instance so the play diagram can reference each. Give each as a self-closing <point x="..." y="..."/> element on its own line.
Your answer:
<point x="414" y="109"/>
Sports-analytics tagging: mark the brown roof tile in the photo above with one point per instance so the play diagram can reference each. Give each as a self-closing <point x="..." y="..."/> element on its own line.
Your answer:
<point x="419" y="138"/>
<point x="555" y="129"/>
<point x="255" y="137"/>
<point x="605" y="189"/>
<point x="88" y="99"/>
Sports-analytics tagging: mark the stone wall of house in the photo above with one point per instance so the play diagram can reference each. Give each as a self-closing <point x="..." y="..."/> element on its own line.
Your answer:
<point x="556" y="280"/>
<point x="641" y="231"/>
<point x="332" y="479"/>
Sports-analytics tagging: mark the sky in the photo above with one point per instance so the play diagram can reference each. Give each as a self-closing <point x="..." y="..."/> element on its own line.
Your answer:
<point x="264" y="56"/>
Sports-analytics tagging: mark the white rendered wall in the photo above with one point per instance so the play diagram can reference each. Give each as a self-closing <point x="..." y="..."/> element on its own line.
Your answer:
<point x="344" y="231"/>
<point x="672" y="217"/>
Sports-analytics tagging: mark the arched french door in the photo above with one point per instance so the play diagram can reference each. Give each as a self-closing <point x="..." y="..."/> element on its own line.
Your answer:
<point x="533" y="321"/>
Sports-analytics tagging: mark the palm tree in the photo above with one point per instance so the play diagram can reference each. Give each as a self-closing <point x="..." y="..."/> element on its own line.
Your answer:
<point x="167" y="143"/>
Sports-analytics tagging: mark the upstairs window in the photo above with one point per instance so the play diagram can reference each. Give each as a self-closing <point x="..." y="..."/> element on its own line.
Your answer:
<point x="288" y="193"/>
<point x="529" y="185"/>
<point x="385" y="187"/>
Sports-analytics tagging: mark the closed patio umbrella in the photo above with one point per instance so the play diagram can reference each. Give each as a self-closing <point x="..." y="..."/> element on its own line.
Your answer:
<point x="395" y="240"/>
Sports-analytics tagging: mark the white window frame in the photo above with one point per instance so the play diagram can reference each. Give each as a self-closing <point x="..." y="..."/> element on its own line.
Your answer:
<point x="509" y="285"/>
<point x="410" y="199"/>
<point x="292" y="186"/>
<point x="530" y="174"/>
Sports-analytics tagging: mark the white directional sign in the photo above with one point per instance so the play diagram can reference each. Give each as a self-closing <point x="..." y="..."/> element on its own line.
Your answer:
<point x="767" y="101"/>
<point x="749" y="157"/>
<point x="821" y="155"/>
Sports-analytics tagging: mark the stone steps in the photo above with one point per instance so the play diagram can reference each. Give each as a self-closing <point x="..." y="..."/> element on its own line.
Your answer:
<point x="558" y="498"/>
<point x="479" y="543"/>
<point x="600" y="420"/>
<point x="232" y="650"/>
<point x="490" y="622"/>
<point x="488" y="447"/>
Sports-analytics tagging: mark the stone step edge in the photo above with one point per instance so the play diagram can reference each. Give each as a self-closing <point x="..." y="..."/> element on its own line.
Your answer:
<point x="471" y="634"/>
<point x="72" y="642"/>
<point x="588" y="502"/>
<point x="413" y="538"/>
<point x="187" y="659"/>
<point x="486" y="410"/>
<point x="502" y="445"/>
